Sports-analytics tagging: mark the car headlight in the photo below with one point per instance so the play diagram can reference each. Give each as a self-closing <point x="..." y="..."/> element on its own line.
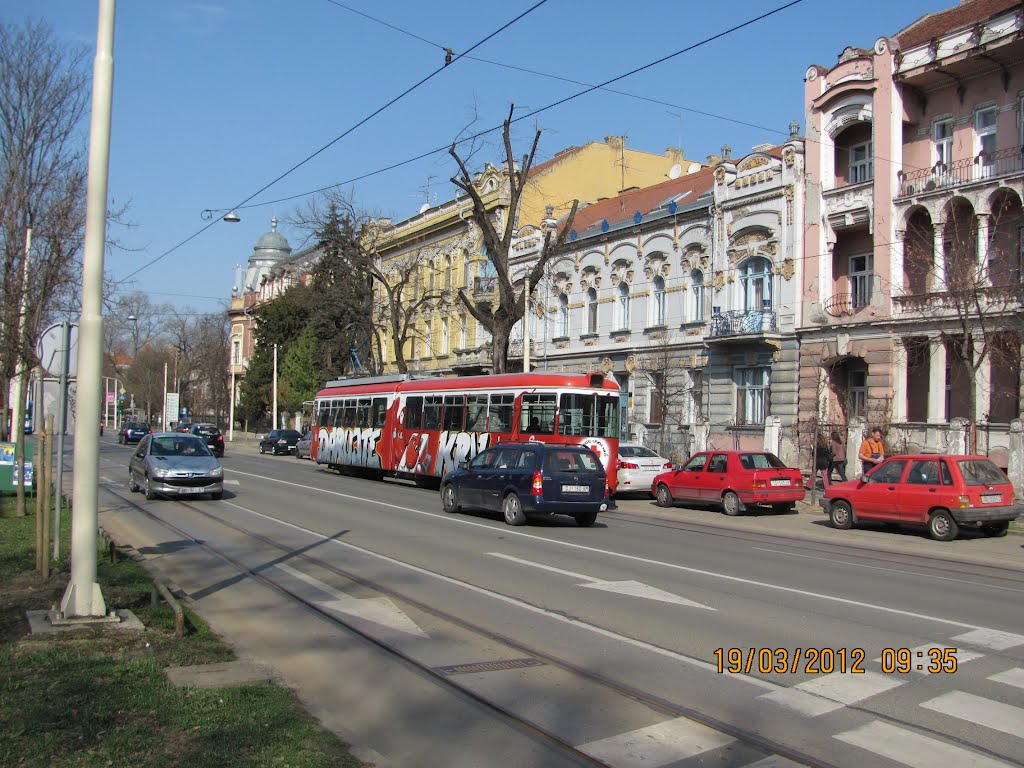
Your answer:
<point x="160" y="472"/>
<point x="217" y="472"/>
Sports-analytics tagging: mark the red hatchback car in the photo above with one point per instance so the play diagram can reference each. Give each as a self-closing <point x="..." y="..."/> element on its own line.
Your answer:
<point x="944" y="493"/>
<point x="733" y="479"/>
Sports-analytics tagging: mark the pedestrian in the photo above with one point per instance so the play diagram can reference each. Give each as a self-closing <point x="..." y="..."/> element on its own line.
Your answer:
<point x="822" y="460"/>
<point x="872" y="450"/>
<point x="838" y="449"/>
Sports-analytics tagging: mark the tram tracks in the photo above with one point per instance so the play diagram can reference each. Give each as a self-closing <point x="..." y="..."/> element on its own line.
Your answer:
<point x="658" y="706"/>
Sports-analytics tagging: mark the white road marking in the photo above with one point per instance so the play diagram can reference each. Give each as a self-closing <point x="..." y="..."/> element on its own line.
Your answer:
<point x="913" y="749"/>
<point x="774" y="761"/>
<point x="232" y="482"/>
<point x="657" y="745"/>
<point x="631" y="588"/>
<point x="610" y="553"/>
<point x="979" y="710"/>
<point x="1013" y="677"/>
<point x="379" y="610"/>
<point x="801" y="702"/>
<point x="991" y="638"/>
<point x="929" y="576"/>
<point x="849" y="687"/>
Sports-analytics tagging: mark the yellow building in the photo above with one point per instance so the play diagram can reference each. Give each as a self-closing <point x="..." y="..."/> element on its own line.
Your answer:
<point x="440" y="249"/>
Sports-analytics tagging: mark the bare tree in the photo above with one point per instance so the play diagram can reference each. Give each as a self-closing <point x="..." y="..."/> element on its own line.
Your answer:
<point x="675" y="389"/>
<point x="498" y="226"/>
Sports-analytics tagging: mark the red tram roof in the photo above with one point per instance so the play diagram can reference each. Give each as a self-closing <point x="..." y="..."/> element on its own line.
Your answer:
<point x="375" y="385"/>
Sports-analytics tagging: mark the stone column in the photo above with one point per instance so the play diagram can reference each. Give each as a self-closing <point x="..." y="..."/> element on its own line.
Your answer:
<point x="700" y="435"/>
<point x="938" y="258"/>
<point x="1016" y="463"/>
<point x="983" y="246"/>
<point x="937" y="382"/>
<point x="956" y="437"/>
<point x="898" y="362"/>
<point x="856" y="431"/>
<point x="896" y="256"/>
<point x="983" y="389"/>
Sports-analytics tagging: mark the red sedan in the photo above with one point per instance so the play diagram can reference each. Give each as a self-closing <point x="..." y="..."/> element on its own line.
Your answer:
<point x="944" y="493"/>
<point x="735" y="480"/>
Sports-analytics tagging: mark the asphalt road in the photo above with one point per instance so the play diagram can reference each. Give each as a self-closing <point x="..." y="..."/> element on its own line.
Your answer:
<point x="656" y="638"/>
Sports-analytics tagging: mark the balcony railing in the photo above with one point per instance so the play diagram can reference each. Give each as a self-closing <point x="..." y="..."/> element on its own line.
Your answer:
<point x="1002" y="162"/>
<point x="741" y="321"/>
<point x="843" y="304"/>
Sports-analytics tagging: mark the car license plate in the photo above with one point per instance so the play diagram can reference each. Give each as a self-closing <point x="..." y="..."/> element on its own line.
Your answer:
<point x="190" y="490"/>
<point x="991" y="498"/>
<point x="777" y="483"/>
<point x="575" y="489"/>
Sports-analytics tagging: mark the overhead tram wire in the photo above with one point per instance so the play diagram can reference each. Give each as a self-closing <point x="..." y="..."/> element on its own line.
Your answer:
<point x="338" y="138"/>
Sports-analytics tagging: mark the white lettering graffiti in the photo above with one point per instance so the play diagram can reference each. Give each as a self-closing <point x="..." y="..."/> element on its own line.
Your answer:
<point x="349" y="446"/>
<point x="453" y="447"/>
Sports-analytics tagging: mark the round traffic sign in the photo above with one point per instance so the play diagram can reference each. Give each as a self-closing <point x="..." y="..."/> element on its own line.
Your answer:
<point x="50" y="349"/>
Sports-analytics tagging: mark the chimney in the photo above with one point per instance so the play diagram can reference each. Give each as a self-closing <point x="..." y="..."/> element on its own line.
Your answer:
<point x="675" y="155"/>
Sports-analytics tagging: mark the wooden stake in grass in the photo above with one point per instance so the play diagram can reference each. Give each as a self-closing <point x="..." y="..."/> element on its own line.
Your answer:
<point x="47" y="461"/>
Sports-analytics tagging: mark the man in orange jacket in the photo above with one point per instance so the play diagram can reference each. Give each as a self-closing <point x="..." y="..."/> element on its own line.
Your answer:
<point x="872" y="450"/>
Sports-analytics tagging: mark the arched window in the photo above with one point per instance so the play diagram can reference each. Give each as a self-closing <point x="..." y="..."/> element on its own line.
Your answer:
<point x="622" y="307"/>
<point x="467" y="269"/>
<point x="697" y="292"/>
<point x="563" y="315"/>
<point x="447" y="273"/>
<point x="756" y="284"/>
<point x="658" y="302"/>
<point x="431" y="269"/>
<point x="592" y="311"/>
<point x="463" y="332"/>
<point x="444" y="336"/>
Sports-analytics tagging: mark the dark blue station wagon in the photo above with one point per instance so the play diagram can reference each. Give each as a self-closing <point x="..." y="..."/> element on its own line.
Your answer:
<point x="529" y="478"/>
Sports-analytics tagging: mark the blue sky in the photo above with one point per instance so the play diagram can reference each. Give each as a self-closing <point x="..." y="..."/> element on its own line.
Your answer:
<point x="214" y="100"/>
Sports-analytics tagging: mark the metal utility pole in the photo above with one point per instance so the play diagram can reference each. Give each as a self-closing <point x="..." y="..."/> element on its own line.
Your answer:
<point x="274" y="422"/>
<point x="83" y="597"/>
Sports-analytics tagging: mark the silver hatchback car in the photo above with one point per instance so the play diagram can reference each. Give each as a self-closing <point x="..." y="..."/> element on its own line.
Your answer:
<point x="175" y="464"/>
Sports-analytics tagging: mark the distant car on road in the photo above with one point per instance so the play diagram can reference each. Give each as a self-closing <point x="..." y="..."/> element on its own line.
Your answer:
<point x="212" y="435"/>
<point x="133" y="432"/>
<point x="280" y="441"/>
<point x="175" y="464"/>
<point x="530" y="478"/>
<point x="733" y="480"/>
<point x="183" y="426"/>
<point x="944" y="493"/>
<point x="637" y="468"/>
<point x="304" y="448"/>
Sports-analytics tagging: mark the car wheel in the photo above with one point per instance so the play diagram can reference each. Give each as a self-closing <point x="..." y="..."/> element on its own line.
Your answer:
<point x="840" y="514"/>
<point x="132" y="485"/>
<point x="512" y="509"/>
<point x="995" y="530"/>
<point x="585" y="519"/>
<point x="942" y="526"/>
<point x="664" y="496"/>
<point x="730" y="504"/>
<point x="150" y="493"/>
<point x="263" y="448"/>
<point x="450" y="498"/>
<point x="217" y="495"/>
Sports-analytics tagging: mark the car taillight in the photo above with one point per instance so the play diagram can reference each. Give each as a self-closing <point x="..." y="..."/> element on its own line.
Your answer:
<point x="538" y="484"/>
<point x="607" y="490"/>
<point x="628" y="465"/>
<point x="220" y="438"/>
<point x="759" y="484"/>
<point x="964" y="502"/>
<point x="667" y="465"/>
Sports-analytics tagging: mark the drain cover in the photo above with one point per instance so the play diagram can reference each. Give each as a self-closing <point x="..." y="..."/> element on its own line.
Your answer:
<point x="487" y="666"/>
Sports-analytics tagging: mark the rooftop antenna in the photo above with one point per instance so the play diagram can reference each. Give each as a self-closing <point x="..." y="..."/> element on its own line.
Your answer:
<point x="679" y="116"/>
<point x="425" y="192"/>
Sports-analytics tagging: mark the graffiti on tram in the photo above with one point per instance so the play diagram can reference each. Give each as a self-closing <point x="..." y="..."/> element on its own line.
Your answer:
<point x="451" y="448"/>
<point x="352" y="446"/>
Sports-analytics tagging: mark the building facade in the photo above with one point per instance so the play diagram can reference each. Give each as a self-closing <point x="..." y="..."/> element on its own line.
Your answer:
<point x="912" y="278"/>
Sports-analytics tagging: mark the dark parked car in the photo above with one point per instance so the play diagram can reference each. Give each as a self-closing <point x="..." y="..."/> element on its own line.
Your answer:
<point x="173" y="464"/>
<point x="211" y="434"/>
<point x="733" y="480"/>
<point x="183" y="426"/>
<point x="133" y="431"/>
<point x="304" y="448"/>
<point x="280" y="441"/>
<point x="525" y="478"/>
<point x="944" y="493"/>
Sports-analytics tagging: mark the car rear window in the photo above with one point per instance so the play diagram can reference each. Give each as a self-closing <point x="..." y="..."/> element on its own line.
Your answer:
<point x="981" y="472"/>
<point x="206" y="430"/>
<point x="571" y="461"/>
<point x="637" y="451"/>
<point x="760" y="461"/>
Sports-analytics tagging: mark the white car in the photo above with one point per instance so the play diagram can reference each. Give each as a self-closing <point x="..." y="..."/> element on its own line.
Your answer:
<point x="637" y="468"/>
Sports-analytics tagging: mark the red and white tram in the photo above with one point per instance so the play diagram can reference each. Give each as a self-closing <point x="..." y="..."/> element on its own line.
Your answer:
<point x="421" y="428"/>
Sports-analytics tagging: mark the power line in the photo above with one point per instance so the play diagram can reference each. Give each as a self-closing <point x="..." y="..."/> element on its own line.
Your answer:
<point x="345" y="133"/>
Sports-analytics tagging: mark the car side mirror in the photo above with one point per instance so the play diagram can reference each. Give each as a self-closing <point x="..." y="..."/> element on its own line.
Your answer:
<point x="677" y="468"/>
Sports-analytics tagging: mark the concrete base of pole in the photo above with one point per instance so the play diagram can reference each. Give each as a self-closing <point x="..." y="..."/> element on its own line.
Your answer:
<point x="88" y="606"/>
<point x="48" y="622"/>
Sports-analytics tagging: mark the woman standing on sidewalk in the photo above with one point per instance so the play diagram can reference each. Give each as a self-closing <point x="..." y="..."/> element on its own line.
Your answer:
<point x="838" y="463"/>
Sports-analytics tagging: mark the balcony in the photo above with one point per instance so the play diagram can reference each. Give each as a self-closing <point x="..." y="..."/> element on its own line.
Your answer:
<point x="843" y="305"/>
<point x="484" y="289"/>
<point x="742" y="325"/>
<point x="946" y="176"/>
<point x="474" y="360"/>
<point x="975" y="302"/>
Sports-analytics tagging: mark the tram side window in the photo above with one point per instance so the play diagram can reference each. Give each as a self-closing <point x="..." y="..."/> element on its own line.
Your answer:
<point x="476" y="413"/>
<point x="413" y="412"/>
<point x="432" y="412"/>
<point x="589" y="416"/>
<point x="363" y="412"/>
<point x="338" y="413"/>
<point x="607" y="415"/>
<point x="537" y="415"/>
<point x="454" y="412"/>
<point x="380" y="412"/>
<point x="500" y="413"/>
<point x="324" y="415"/>
<point x="348" y="418"/>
